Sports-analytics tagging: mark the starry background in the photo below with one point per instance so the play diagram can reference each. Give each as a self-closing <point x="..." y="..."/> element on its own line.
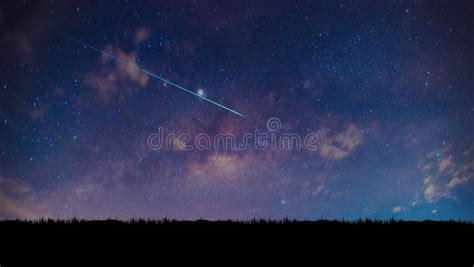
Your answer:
<point x="389" y="83"/>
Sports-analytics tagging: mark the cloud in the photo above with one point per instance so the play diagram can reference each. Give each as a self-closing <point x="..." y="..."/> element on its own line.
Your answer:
<point x="113" y="75"/>
<point x="444" y="164"/>
<point x="123" y="70"/>
<point x="21" y="40"/>
<point x="13" y="196"/>
<point x="318" y="190"/>
<point x="430" y="193"/>
<point x="37" y="113"/>
<point x="141" y="35"/>
<point x="341" y="145"/>
<point x="445" y="171"/>
<point x="398" y="209"/>
<point x="105" y="84"/>
<point x="14" y="186"/>
<point x="456" y="181"/>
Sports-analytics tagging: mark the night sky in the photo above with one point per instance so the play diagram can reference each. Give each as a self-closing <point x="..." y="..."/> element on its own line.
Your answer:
<point x="386" y="86"/>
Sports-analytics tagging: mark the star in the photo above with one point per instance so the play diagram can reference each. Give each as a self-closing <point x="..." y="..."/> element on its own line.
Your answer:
<point x="200" y="92"/>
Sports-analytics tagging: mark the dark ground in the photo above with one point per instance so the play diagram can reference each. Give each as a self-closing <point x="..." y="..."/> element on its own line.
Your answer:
<point x="224" y="241"/>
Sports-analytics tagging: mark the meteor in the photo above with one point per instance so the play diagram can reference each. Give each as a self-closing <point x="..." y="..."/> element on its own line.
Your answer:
<point x="152" y="74"/>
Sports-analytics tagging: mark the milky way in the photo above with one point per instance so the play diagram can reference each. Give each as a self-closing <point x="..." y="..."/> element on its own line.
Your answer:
<point x="384" y="89"/>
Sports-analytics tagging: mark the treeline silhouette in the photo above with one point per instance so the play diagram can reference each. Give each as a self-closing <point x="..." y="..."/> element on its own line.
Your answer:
<point x="285" y="221"/>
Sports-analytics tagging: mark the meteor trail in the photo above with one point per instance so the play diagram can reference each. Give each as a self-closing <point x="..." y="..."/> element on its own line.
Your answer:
<point x="151" y="74"/>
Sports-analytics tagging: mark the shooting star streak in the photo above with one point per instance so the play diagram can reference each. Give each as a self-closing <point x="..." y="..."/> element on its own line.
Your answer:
<point x="151" y="74"/>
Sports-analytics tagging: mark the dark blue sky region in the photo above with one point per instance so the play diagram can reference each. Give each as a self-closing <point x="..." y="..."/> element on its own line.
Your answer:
<point x="387" y="86"/>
